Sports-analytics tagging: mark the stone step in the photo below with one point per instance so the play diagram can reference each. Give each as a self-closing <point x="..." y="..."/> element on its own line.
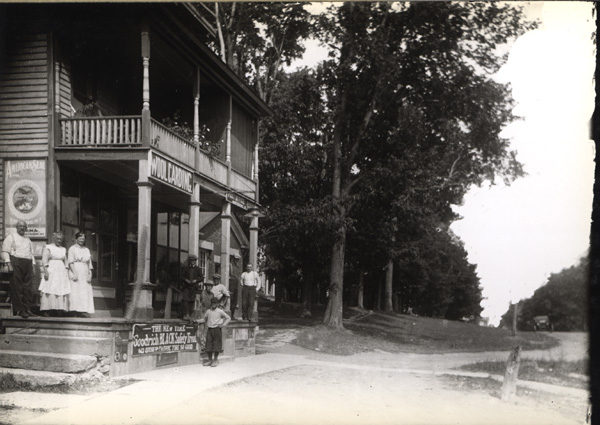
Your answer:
<point x="51" y="362"/>
<point x="61" y="344"/>
<point x="60" y="332"/>
<point x="38" y="378"/>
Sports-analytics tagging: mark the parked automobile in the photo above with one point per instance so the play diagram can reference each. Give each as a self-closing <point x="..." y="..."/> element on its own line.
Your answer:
<point x="542" y="323"/>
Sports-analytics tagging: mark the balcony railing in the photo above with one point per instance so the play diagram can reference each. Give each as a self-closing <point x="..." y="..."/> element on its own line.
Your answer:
<point x="172" y="144"/>
<point x="126" y="131"/>
<point x="101" y="131"/>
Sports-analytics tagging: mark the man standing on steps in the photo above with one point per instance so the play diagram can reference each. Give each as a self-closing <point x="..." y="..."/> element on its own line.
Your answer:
<point x="17" y="250"/>
<point x="250" y="285"/>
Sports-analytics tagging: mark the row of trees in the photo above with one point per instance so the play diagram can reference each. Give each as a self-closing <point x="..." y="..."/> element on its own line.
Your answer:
<point x="366" y="153"/>
<point x="563" y="298"/>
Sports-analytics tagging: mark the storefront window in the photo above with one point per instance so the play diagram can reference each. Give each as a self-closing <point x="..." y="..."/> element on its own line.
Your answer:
<point x="172" y="244"/>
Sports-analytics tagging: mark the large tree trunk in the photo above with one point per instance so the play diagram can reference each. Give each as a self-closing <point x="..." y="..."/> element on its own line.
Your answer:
<point x="333" y="313"/>
<point x="361" y="290"/>
<point x="379" y="286"/>
<point x="278" y="293"/>
<point x="389" y="274"/>
<point x="307" y="292"/>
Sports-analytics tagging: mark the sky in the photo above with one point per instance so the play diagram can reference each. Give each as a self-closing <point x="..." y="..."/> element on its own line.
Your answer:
<point x="518" y="235"/>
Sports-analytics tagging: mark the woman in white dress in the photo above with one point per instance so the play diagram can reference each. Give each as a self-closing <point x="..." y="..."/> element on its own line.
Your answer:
<point x="55" y="285"/>
<point x="81" y="299"/>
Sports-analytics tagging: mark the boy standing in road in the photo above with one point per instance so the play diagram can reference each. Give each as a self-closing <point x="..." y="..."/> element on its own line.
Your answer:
<point x="215" y="319"/>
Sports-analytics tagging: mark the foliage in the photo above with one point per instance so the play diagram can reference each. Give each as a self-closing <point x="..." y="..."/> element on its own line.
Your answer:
<point x="177" y="125"/>
<point x="365" y="155"/>
<point x="416" y="116"/>
<point x="256" y="39"/>
<point x="563" y="298"/>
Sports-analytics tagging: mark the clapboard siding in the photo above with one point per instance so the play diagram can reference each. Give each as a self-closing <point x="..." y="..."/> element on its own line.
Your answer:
<point x="64" y="86"/>
<point x="2" y="197"/>
<point x="24" y="95"/>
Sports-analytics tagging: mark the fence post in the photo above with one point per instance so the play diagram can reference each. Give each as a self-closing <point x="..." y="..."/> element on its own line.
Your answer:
<point x="509" y="385"/>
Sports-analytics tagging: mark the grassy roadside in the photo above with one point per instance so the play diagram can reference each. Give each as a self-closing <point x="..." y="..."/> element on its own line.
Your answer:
<point x="556" y="372"/>
<point x="392" y="332"/>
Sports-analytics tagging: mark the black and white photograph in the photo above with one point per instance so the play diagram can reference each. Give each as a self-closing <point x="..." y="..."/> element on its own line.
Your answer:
<point x="298" y="212"/>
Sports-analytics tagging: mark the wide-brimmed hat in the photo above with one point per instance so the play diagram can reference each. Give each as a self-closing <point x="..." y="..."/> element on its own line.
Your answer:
<point x="192" y="257"/>
<point x="216" y="276"/>
<point x="209" y="282"/>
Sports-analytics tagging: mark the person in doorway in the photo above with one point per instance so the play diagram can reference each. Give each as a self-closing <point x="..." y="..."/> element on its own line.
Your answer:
<point x="55" y="285"/>
<point x="250" y="285"/>
<point x="17" y="252"/>
<point x="192" y="276"/>
<point x="220" y="291"/>
<point x="79" y="259"/>
<point x="215" y="319"/>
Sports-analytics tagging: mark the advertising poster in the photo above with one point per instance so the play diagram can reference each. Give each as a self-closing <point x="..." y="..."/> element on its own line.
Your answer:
<point x="25" y="196"/>
<point x="164" y="338"/>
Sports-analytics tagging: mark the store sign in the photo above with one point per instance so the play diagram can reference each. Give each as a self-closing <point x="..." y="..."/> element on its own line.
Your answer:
<point x="236" y="200"/>
<point x="170" y="173"/>
<point x="25" y="196"/>
<point x="164" y="338"/>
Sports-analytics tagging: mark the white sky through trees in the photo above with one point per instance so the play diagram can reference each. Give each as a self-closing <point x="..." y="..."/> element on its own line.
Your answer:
<point x="518" y="235"/>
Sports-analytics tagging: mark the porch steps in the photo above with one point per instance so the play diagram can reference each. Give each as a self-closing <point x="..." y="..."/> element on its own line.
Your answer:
<point x="37" y="378"/>
<point x="61" y="344"/>
<point x="51" y="362"/>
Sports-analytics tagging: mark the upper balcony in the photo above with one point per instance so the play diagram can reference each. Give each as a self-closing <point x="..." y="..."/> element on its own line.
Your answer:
<point x="109" y="80"/>
<point x="126" y="132"/>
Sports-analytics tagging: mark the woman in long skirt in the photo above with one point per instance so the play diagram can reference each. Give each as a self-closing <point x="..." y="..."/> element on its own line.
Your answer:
<point x="55" y="285"/>
<point x="81" y="299"/>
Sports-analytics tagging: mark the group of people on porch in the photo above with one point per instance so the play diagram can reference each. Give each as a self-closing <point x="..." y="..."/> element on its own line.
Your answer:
<point x="197" y="293"/>
<point x="65" y="286"/>
<point x="66" y="275"/>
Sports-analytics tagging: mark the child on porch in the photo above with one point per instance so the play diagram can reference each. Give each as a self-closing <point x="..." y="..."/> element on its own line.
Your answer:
<point x="214" y="319"/>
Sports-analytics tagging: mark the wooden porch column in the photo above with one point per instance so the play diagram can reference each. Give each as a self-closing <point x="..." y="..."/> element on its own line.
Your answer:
<point x="141" y="300"/>
<point x="253" y="252"/>
<point x="255" y="176"/>
<point x="195" y="202"/>
<point x="194" y="220"/>
<point x="197" y="120"/>
<point x="145" y="34"/>
<point x="228" y="144"/>
<point x="225" y="242"/>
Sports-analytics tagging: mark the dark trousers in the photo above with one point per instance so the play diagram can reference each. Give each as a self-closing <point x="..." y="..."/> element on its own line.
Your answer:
<point x="214" y="340"/>
<point x="248" y="297"/>
<point x="20" y="284"/>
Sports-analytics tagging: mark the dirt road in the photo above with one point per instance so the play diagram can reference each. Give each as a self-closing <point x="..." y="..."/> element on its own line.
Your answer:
<point x="290" y="385"/>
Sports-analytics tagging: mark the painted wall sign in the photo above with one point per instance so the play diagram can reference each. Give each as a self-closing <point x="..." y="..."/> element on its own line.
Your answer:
<point x="164" y="338"/>
<point x="25" y="196"/>
<point x="170" y="173"/>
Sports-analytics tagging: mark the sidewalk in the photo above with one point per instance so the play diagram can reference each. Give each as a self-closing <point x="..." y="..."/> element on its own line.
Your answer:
<point x="162" y="389"/>
<point x="166" y="392"/>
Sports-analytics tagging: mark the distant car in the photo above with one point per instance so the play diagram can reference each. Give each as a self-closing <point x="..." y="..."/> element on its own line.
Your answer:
<point x="542" y="323"/>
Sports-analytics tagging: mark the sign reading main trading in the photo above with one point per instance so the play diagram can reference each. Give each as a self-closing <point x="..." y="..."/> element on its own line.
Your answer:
<point x="164" y="338"/>
<point x="170" y="173"/>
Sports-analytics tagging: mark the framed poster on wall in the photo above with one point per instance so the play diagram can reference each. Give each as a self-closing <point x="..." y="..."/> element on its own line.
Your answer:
<point x="25" y="196"/>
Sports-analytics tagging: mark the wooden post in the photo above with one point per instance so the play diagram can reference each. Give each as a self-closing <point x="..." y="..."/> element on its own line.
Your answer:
<point x="168" y="302"/>
<point x="225" y="242"/>
<point x="197" y="120"/>
<point x="509" y="385"/>
<point x="145" y="35"/>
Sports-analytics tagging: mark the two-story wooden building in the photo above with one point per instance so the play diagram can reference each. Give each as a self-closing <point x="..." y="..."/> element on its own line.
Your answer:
<point x="119" y="121"/>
